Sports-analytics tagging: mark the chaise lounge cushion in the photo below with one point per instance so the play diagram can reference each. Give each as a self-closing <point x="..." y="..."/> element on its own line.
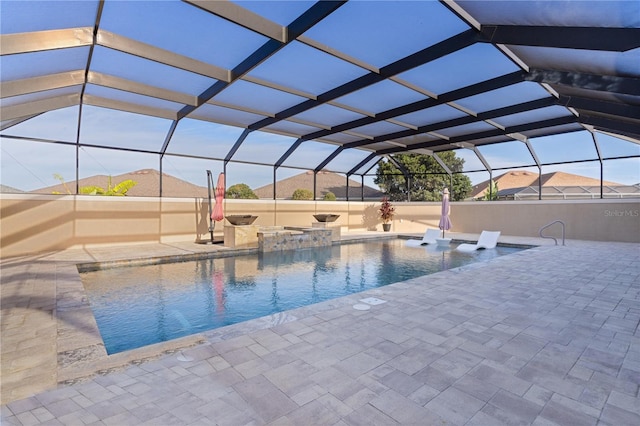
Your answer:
<point x="487" y="240"/>
<point x="429" y="238"/>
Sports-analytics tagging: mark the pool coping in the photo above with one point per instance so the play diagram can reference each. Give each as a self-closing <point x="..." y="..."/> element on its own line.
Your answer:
<point x="159" y="260"/>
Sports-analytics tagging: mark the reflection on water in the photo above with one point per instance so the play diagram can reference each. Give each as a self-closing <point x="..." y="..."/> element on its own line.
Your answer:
<point x="138" y="306"/>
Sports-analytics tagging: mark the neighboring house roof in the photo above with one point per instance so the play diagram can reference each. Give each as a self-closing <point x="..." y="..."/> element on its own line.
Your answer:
<point x="570" y="192"/>
<point x="148" y="185"/>
<point x="325" y="182"/>
<point x="10" y="189"/>
<point x="523" y="178"/>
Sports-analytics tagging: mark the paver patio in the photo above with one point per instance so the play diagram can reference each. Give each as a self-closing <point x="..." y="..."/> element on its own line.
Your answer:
<point x="542" y="337"/>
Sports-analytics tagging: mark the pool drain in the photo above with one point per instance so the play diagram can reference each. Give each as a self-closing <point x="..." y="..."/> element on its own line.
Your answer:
<point x="373" y="301"/>
<point x="361" y="307"/>
<point x="367" y="303"/>
<point x="184" y="358"/>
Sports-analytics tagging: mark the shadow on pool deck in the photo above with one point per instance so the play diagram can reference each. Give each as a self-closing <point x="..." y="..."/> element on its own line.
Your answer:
<point x="548" y="335"/>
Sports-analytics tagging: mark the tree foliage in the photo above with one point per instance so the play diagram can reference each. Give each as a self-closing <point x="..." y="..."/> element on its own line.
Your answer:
<point x="491" y="193"/>
<point x="427" y="177"/>
<point x="329" y="196"/>
<point x="118" y="190"/>
<point x="302" y="194"/>
<point x="241" y="191"/>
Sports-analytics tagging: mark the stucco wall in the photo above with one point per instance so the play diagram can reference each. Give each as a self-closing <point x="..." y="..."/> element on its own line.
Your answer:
<point x="31" y="224"/>
<point x="598" y="220"/>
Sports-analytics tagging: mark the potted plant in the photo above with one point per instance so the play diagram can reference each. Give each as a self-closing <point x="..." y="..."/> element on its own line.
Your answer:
<point x="386" y="212"/>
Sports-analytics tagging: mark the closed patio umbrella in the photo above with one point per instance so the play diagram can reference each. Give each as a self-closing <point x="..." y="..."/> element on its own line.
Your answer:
<point x="218" y="210"/>
<point x="445" y="222"/>
<point x="217" y="213"/>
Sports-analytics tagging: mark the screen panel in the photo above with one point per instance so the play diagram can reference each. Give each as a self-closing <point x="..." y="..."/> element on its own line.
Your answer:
<point x="195" y="137"/>
<point x="105" y="167"/>
<point x="452" y="71"/>
<point x="26" y="166"/>
<point x="173" y="25"/>
<point x="26" y="16"/>
<point x="111" y="128"/>
<point x="57" y="125"/>
<point x="388" y="32"/>
<point x="565" y="147"/>
<point x="263" y="147"/>
<point x="301" y="67"/>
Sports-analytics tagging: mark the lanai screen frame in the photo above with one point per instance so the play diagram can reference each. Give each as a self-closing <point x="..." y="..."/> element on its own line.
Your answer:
<point x="596" y="100"/>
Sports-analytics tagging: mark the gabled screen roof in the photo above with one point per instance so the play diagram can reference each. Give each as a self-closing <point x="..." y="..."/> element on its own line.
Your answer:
<point x="372" y="77"/>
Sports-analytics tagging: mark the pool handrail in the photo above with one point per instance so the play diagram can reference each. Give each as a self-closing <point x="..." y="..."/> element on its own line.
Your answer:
<point x="548" y="225"/>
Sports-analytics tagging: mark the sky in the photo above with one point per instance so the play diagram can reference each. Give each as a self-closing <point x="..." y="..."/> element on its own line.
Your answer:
<point x="378" y="39"/>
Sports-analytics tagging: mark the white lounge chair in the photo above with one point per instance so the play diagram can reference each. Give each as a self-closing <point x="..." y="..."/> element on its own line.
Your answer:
<point x="487" y="240"/>
<point x="429" y="238"/>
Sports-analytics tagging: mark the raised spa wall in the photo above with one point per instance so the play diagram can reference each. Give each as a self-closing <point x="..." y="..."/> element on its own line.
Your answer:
<point x="280" y="238"/>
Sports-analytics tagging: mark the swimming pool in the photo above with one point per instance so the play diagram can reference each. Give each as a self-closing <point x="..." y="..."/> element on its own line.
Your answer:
<point x="141" y="305"/>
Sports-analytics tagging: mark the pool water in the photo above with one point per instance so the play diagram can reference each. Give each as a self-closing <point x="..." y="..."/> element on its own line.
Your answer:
<point x="142" y="305"/>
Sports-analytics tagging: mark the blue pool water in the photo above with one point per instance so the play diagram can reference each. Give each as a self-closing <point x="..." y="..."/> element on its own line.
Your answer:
<point x="141" y="305"/>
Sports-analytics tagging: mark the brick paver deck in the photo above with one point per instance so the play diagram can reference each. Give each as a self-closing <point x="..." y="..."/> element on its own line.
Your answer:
<point x="541" y="337"/>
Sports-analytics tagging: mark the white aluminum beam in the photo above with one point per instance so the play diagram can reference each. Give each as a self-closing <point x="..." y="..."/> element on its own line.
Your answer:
<point x="139" y="88"/>
<point x="129" y="107"/>
<point x="37" y="107"/>
<point x="442" y="164"/>
<point x="153" y="53"/>
<point x="41" y="84"/>
<point x="38" y="41"/>
<point x="10" y="123"/>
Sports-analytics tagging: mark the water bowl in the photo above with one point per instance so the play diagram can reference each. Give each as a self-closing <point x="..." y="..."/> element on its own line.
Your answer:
<point x="241" y="219"/>
<point x="326" y="217"/>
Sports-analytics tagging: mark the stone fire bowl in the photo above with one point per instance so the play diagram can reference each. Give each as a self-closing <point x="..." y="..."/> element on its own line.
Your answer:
<point x="326" y="217"/>
<point x="241" y="219"/>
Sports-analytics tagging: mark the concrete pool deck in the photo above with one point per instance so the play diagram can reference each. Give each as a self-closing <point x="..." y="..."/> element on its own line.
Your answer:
<point x="544" y="336"/>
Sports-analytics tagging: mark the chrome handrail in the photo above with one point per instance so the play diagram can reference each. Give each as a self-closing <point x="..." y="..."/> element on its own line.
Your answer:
<point x="548" y="225"/>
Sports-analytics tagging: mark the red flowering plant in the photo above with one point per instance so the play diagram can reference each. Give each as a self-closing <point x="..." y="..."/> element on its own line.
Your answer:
<point x="386" y="210"/>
